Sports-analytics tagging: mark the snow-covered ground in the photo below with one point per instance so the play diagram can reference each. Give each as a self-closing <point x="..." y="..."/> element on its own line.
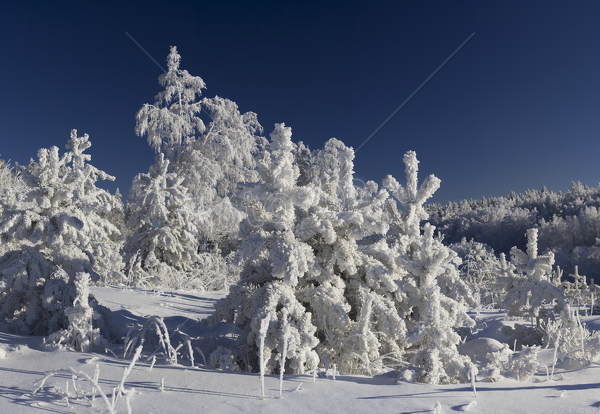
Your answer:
<point x="196" y="389"/>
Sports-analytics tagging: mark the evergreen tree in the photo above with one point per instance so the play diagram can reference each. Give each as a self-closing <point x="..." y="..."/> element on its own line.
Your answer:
<point x="263" y="304"/>
<point x="532" y="289"/>
<point x="432" y="285"/>
<point x="355" y="300"/>
<point x="163" y="227"/>
<point x="58" y="222"/>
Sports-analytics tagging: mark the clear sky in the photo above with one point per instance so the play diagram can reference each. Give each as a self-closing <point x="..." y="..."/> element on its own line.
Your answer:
<point x="517" y="107"/>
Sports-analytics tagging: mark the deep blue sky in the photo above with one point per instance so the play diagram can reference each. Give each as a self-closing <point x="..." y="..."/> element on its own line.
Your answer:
<point x="517" y="107"/>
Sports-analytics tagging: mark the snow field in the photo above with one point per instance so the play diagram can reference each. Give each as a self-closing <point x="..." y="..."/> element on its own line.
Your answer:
<point x="190" y="390"/>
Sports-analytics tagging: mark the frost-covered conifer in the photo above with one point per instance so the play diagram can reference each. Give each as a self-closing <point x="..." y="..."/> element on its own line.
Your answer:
<point x="433" y="287"/>
<point x="356" y="299"/>
<point x="275" y="262"/>
<point x="103" y="212"/>
<point x="163" y="227"/>
<point x="58" y="222"/>
<point x="336" y="264"/>
<point x="12" y="187"/>
<point x="432" y="337"/>
<point x="80" y="333"/>
<point x="532" y="288"/>
<point x="412" y="198"/>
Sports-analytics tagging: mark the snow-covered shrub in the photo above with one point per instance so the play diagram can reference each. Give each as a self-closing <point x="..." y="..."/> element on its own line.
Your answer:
<point x="499" y="364"/>
<point x="80" y="334"/>
<point x="573" y="340"/>
<point x="217" y="272"/>
<point x="478" y="269"/>
<point x="524" y="363"/>
<point x="56" y="229"/>
<point x="222" y="358"/>
<point x="504" y="362"/>
<point x="532" y="290"/>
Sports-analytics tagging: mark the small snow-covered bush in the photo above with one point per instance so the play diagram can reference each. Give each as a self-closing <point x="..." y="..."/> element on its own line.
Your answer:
<point x="217" y="272"/>
<point x="531" y="290"/>
<point x="222" y="358"/>
<point x="504" y="362"/>
<point x="524" y="363"/>
<point x="573" y="339"/>
<point x="80" y="334"/>
<point x="499" y="364"/>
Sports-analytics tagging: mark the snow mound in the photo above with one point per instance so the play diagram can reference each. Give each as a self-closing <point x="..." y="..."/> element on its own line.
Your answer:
<point x="477" y="349"/>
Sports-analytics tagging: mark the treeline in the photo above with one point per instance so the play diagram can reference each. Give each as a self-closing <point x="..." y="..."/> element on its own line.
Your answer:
<point x="568" y="224"/>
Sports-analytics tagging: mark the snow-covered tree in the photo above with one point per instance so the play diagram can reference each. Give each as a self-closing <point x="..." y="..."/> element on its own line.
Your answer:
<point x="275" y="261"/>
<point x="11" y="188"/>
<point x="356" y="300"/>
<point x="532" y="288"/>
<point x="80" y="333"/>
<point x="411" y="197"/>
<point x="172" y="121"/>
<point x="435" y="291"/>
<point x="58" y="222"/>
<point x="318" y="252"/>
<point x="210" y="159"/>
<point x="163" y="227"/>
<point x="104" y="212"/>
<point x="433" y="337"/>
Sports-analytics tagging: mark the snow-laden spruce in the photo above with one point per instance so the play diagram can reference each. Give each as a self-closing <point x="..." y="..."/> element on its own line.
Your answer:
<point x="355" y="299"/>
<point x="264" y="301"/>
<point x="163" y="226"/>
<point x="431" y="272"/>
<point x="316" y="259"/>
<point x="531" y="289"/>
<point x="56" y="229"/>
<point x="80" y="334"/>
<point x="11" y="187"/>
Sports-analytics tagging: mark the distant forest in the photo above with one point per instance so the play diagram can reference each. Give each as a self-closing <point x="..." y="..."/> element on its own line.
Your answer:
<point x="569" y="225"/>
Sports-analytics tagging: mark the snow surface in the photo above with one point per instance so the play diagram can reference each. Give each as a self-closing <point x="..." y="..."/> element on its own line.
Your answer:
<point x="198" y="389"/>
